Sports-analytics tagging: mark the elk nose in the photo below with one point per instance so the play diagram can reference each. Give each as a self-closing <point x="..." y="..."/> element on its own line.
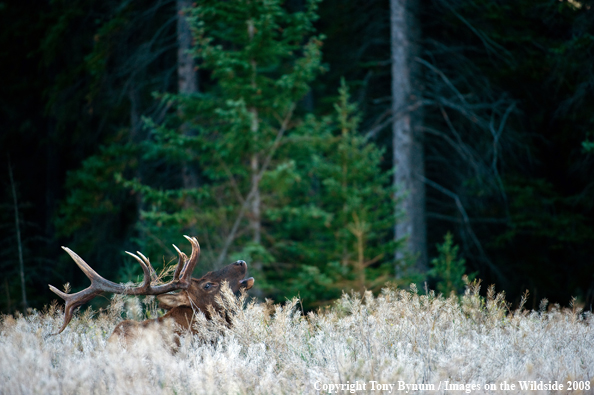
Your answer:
<point x="240" y="263"/>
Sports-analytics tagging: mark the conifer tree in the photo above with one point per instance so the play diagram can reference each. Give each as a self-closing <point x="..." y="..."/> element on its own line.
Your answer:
<point x="448" y="268"/>
<point x="260" y="60"/>
<point x="303" y="199"/>
<point x="334" y="226"/>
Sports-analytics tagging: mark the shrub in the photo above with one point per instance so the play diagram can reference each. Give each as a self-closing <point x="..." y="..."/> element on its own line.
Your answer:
<point x="273" y="349"/>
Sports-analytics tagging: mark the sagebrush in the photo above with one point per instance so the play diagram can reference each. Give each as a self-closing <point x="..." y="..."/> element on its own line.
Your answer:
<point x="398" y="336"/>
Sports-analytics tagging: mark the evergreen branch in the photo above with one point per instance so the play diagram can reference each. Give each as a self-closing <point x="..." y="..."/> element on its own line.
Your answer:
<point x="233" y="181"/>
<point x="255" y="185"/>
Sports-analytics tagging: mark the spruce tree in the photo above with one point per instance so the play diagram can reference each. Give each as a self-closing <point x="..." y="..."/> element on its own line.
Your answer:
<point x="333" y="229"/>
<point x="301" y="198"/>
<point x="259" y="60"/>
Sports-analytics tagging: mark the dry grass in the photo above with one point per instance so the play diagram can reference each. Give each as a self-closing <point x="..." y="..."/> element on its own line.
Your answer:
<point x="399" y="336"/>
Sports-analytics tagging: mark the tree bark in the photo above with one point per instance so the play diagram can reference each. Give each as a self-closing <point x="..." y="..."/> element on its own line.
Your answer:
<point x="255" y="216"/>
<point x="187" y="81"/>
<point x="408" y="155"/>
<point x="186" y="73"/>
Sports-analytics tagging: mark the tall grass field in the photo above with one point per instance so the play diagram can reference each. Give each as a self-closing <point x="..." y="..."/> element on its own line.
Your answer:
<point x="399" y="342"/>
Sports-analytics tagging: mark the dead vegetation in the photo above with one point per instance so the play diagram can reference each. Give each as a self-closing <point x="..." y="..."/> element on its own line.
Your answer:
<point x="400" y="335"/>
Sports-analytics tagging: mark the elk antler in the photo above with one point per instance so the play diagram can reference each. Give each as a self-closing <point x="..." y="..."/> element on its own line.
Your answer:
<point x="181" y="280"/>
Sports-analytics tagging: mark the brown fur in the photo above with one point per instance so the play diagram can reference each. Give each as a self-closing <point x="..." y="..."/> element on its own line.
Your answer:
<point x="183" y="305"/>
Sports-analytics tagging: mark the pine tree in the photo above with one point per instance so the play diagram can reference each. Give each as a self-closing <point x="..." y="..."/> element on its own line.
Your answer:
<point x="260" y="60"/>
<point x="302" y="198"/>
<point x="448" y="268"/>
<point x="334" y="227"/>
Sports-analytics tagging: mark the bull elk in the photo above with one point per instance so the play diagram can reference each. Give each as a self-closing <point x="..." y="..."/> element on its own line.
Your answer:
<point x="196" y="294"/>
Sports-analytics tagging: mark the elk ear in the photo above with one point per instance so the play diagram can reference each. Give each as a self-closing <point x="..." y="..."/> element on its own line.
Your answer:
<point x="169" y="301"/>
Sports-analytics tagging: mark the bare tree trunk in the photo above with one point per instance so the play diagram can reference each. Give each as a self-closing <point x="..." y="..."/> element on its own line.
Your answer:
<point x="18" y="237"/>
<point x="187" y="80"/>
<point x="255" y="216"/>
<point x="407" y="147"/>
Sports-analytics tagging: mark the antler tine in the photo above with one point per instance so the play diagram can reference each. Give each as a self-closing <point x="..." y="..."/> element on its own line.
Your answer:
<point x="68" y="308"/>
<point x="181" y="261"/>
<point x="97" y="287"/>
<point x="148" y="264"/>
<point x="177" y="249"/>
<point x="84" y="266"/>
<point x="145" y="264"/>
<point x="186" y="273"/>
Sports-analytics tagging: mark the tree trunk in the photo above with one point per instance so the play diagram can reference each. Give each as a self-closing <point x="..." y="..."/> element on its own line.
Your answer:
<point x="18" y="238"/>
<point x="407" y="147"/>
<point x="255" y="216"/>
<point x="187" y="81"/>
<point x="186" y="73"/>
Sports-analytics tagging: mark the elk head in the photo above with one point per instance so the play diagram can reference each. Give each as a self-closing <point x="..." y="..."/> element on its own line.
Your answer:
<point x="202" y="291"/>
<point x="195" y="293"/>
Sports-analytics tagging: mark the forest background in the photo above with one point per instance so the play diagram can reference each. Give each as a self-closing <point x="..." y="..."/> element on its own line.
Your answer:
<point x="271" y="131"/>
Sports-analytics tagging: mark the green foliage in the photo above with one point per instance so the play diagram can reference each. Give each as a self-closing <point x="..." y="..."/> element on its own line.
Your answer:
<point x="335" y="221"/>
<point x="96" y="213"/>
<point x="448" y="268"/>
<point x="537" y="209"/>
<point x="260" y="61"/>
<point x="326" y="206"/>
<point x="93" y="192"/>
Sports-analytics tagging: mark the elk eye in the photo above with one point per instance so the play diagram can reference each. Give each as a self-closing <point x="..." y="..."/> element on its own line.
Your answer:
<point x="208" y="285"/>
